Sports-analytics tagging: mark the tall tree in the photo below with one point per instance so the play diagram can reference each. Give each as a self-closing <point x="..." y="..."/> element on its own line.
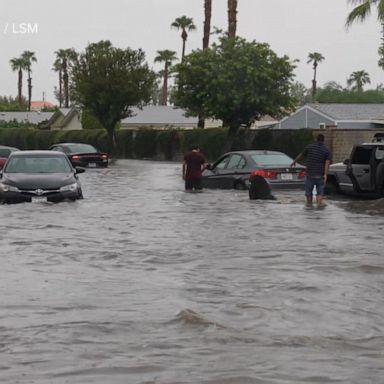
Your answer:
<point x="58" y="67"/>
<point x="314" y="58"/>
<point x="236" y="82"/>
<point x="109" y="81"/>
<point x="207" y="22"/>
<point x="232" y="21"/>
<point x="166" y="57"/>
<point x="66" y="58"/>
<point x="361" y="12"/>
<point x="185" y="24"/>
<point x="18" y="64"/>
<point x="29" y="58"/>
<point x="358" y="79"/>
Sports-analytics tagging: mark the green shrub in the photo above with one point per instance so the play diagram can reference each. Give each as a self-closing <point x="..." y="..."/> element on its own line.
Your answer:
<point x="145" y="144"/>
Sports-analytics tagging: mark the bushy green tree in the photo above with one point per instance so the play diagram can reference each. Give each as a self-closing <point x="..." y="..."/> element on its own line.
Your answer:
<point x="109" y="81"/>
<point x="235" y="81"/>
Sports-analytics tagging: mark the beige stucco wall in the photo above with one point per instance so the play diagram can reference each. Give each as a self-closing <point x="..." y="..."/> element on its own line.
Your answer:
<point x="341" y="141"/>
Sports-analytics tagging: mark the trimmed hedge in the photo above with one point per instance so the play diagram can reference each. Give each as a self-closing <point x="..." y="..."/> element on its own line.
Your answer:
<point x="167" y="144"/>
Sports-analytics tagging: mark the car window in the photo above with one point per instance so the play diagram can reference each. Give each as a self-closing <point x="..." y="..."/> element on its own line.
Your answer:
<point x="361" y="155"/>
<point x="271" y="159"/>
<point x="234" y="161"/>
<point x="38" y="164"/>
<point x="222" y="163"/>
<point x="81" y="148"/>
<point x="4" y="152"/>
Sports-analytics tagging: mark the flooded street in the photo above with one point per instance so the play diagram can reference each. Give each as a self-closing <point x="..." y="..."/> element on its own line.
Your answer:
<point x="142" y="283"/>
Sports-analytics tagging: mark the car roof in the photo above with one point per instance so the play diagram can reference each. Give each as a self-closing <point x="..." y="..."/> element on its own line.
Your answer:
<point x="256" y="152"/>
<point x="37" y="152"/>
<point x="71" y="144"/>
<point x="6" y="146"/>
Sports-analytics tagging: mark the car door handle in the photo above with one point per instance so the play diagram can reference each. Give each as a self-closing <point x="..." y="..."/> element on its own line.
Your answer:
<point x="366" y="170"/>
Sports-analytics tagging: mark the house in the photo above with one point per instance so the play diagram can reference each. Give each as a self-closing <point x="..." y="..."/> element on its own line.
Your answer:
<point x="162" y="117"/>
<point x="65" y="119"/>
<point x="39" y="105"/>
<point x="344" y="116"/>
<point x="32" y="117"/>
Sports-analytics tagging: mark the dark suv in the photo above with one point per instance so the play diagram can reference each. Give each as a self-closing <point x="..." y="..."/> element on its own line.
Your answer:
<point x="361" y="174"/>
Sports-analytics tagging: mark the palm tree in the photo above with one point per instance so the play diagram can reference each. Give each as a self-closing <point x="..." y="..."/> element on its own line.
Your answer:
<point x="314" y="58"/>
<point x="359" y="79"/>
<point x="364" y="9"/>
<point x="18" y="64"/>
<point x="64" y="58"/>
<point x="58" y="67"/>
<point x="29" y="58"/>
<point x="166" y="57"/>
<point x="232" y="22"/>
<point x="184" y="23"/>
<point x="207" y="22"/>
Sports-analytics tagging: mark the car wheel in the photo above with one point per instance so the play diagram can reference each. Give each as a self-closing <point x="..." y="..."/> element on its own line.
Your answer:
<point x="239" y="186"/>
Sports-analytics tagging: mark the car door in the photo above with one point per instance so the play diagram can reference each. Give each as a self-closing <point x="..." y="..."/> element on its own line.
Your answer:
<point x="213" y="177"/>
<point x="360" y="168"/>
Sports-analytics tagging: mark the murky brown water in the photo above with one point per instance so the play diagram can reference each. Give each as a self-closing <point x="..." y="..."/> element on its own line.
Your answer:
<point x="142" y="283"/>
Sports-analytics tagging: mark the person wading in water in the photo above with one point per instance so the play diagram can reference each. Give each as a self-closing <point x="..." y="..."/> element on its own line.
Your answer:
<point x="317" y="159"/>
<point x="193" y="167"/>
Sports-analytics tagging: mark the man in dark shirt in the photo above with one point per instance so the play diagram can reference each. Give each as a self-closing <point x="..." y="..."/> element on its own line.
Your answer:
<point x="193" y="166"/>
<point x="317" y="159"/>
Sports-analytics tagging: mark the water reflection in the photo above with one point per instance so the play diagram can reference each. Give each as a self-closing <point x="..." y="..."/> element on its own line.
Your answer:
<point x="143" y="283"/>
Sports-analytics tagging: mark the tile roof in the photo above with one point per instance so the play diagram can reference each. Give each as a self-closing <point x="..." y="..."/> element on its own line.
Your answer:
<point x="25" y="117"/>
<point x="159" y="114"/>
<point x="358" y="112"/>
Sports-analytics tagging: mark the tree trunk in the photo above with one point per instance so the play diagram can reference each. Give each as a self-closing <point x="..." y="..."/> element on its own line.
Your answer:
<point x="232" y="12"/>
<point x="184" y="36"/>
<point x="207" y="22"/>
<point x="164" y="97"/>
<point x="65" y="81"/>
<point x="29" y="91"/>
<point x="232" y="132"/>
<point x="20" y="88"/>
<point x="60" y="89"/>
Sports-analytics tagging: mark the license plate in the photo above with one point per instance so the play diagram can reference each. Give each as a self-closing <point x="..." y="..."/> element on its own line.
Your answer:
<point x="286" y="176"/>
<point x="39" y="199"/>
<point x="92" y="165"/>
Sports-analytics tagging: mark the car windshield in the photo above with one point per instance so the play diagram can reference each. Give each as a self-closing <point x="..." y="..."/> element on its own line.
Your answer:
<point x="271" y="159"/>
<point x="37" y="164"/>
<point x="81" y="148"/>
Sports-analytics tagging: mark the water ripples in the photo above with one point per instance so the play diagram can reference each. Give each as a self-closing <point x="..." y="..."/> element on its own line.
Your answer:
<point x="143" y="283"/>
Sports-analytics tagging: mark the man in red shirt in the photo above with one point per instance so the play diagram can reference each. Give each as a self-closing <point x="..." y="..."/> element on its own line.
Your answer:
<point x="193" y="167"/>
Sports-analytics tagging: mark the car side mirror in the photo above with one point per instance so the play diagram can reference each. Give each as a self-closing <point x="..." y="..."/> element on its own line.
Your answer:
<point x="1" y="174"/>
<point x="209" y="167"/>
<point x="347" y="161"/>
<point x="79" y="170"/>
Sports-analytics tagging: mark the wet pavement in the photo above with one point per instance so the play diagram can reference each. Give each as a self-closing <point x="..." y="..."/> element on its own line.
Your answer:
<point x="142" y="283"/>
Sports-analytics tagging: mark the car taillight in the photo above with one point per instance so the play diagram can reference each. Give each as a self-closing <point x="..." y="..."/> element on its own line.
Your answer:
<point x="75" y="157"/>
<point x="264" y="173"/>
<point x="104" y="156"/>
<point x="301" y="175"/>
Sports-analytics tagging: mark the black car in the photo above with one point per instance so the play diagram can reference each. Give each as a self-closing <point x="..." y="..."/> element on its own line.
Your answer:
<point x="30" y="176"/>
<point x="234" y="170"/>
<point x="83" y="155"/>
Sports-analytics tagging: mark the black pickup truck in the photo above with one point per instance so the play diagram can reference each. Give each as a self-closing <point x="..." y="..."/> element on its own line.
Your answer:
<point x="362" y="174"/>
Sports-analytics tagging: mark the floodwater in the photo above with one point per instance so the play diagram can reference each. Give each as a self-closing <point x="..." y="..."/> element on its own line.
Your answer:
<point x="142" y="283"/>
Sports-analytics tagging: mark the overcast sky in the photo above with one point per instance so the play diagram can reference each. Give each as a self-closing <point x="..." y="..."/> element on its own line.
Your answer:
<point x="291" y="27"/>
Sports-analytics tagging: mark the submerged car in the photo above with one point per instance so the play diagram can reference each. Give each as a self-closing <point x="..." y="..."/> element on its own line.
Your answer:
<point x="83" y="155"/>
<point x="234" y="170"/>
<point x="31" y="176"/>
<point x="4" y="153"/>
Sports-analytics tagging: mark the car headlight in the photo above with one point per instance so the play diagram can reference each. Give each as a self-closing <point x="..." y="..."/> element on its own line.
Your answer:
<point x="8" y="188"/>
<point x="69" y="188"/>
